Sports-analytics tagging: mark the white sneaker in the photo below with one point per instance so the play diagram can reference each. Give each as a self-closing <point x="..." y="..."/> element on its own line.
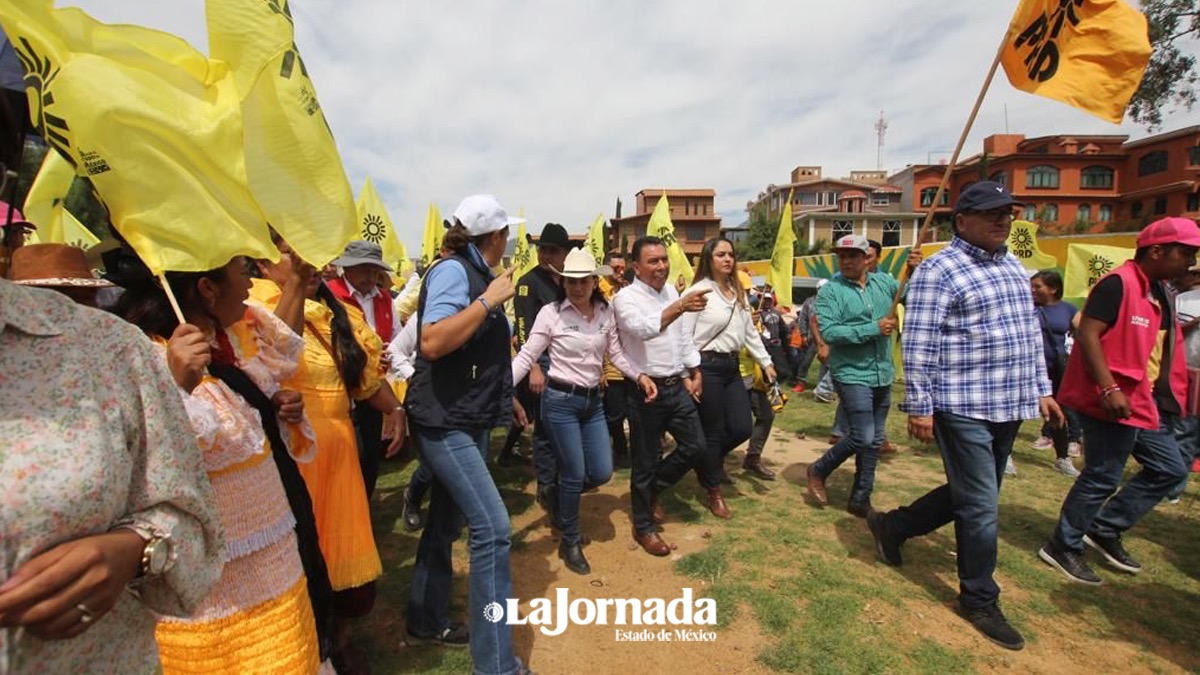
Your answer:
<point x="1064" y="466"/>
<point x="1043" y="443"/>
<point x="1074" y="449"/>
<point x="1010" y="469"/>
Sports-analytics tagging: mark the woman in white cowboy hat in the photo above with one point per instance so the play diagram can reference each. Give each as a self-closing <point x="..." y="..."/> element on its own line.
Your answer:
<point x="578" y="331"/>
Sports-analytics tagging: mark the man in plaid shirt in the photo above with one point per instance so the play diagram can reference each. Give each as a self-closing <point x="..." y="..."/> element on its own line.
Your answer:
<point x="973" y="371"/>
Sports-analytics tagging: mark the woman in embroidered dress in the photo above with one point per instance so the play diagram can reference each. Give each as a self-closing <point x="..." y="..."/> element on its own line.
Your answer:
<point x="341" y="362"/>
<point x="259" y="616"/>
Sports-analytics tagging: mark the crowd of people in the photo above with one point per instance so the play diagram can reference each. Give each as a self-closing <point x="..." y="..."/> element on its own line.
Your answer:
<point x="201" y="502"/>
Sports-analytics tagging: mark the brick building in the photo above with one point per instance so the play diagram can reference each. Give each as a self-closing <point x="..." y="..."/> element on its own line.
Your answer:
<point x="693" y="213"/>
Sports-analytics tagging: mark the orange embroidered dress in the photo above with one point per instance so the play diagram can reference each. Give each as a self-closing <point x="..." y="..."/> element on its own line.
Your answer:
<point x="334" y="477"/>
<point x="258" y="618"/>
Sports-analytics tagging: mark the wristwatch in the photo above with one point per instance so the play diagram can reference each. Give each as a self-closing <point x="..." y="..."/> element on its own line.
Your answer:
<point x="158" y="555"/>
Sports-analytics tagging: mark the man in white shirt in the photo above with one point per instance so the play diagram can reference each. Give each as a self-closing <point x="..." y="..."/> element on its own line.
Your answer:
<point x="656" y="344"/>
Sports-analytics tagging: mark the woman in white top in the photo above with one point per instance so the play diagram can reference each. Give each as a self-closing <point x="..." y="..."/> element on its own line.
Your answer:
<point x="720" y="331"/>
<point x="578" y="331"/>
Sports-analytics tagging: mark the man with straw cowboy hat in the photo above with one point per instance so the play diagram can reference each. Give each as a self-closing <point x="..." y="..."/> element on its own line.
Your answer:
<point x="60" y="267"/>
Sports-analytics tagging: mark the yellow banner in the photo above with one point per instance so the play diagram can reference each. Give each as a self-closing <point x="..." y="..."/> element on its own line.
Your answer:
<point x="1087" y="263"/>
<point x="292" y="162"/>
<point x="660" y="226"/>
<point x="431" y="238"/>
<point x="783" y="258"/>
<point x="523" y="258"/>
<point x="46" y="206"/>
<point x="375" y="225"/>
<point x="1023" y="243"/>
<point x="594" y="243"/>
<point x="1090" y="55"/>
<point x="153" y="123"/>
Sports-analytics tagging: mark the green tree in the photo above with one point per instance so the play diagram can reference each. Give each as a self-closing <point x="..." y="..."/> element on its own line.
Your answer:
<point x="1170" y="79"/>
<point x="760" y="241"/>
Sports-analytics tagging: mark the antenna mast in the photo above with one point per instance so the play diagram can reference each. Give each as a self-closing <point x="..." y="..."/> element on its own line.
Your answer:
<point x="881" y="130"/>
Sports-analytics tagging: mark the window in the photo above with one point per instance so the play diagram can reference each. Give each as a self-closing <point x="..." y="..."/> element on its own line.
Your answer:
<point x="1135" y="209"/>
<point x="927" y="197"/>
<point x="891" y="233"/>
<point x="1105" y="213"/>
<point x="1084" y="213"/>
<point x="1044" y="177"/>
<point x="1160" y="205"/>
<point x="1193" y="202"/>
<point x="695" y="233"/>
<point x="807" y="198"/>
<point x="842" y="228"/>
<point x="1096" y="177"/>
<point x="879" y="200"/>
<point x="1050" y="212"/>
<point x="1030" y="212"/>
<point x="1152" y="163"/>
<point x="1194" y="155"/>
<point x="1000" y="177"/>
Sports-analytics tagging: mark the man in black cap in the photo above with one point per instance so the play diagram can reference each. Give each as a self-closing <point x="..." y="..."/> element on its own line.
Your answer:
<point x="538" y="287"/>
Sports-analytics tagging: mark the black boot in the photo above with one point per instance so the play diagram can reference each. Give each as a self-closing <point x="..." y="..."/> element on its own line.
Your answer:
<point x="753" y="465"/>
<point x="547" y="498"/>
<point x="572" y="556"/>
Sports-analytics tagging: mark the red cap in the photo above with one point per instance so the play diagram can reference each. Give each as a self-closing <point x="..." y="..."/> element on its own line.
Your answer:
<point x="1170" y="231"/>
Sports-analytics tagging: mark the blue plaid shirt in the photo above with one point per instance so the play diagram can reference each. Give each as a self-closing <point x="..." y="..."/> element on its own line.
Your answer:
<point x="971" y="342"/>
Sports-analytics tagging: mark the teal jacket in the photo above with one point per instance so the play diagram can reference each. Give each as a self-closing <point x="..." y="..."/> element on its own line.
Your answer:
<point x="848" y="316"/>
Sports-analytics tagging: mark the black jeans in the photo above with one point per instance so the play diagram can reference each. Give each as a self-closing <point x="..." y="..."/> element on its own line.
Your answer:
<point x="672" y="411"/>
<point x="368" y="425"/>
<point x="616" y="410"/>
<point x="724" y="414"/>
<point x="545" y="461"/>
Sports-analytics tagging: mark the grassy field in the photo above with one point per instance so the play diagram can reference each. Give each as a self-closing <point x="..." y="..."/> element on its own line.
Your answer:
<point x="809" y="579"/>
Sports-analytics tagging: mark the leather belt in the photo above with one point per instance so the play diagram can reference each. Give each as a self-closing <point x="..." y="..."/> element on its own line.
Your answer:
<point x="669" y="381"/>
<point x="719" y="356"/>
<point x="571" y="388"/>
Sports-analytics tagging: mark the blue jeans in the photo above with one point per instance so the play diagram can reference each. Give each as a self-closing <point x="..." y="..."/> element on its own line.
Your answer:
<point x="840" y="423"/>
<point x="463" y="488"/>
<point x="545" y="464"/>
<point x="1091" y="507"/>
<point x="724" y="414"/>
<point x="578" y="432"/>
<point x="1187" y="435"/>
<point x="866" y="411"/>
<point x="974" y="453"/>
<point x="824" y="382"/>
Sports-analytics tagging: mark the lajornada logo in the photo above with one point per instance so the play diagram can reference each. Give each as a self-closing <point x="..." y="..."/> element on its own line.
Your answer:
<point x="553" y="616"/>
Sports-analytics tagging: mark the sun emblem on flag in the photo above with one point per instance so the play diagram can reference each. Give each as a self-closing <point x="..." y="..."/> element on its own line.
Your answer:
<point x="374" y="229"/>
<point x="1098" y="266"/>
<point x="1022" y="239"/>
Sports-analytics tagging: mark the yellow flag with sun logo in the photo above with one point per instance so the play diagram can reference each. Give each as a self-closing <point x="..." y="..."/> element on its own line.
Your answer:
<point x="46" y="206"/>
<point x="594" y="243"/>
<point x="375" y="225"/>
<point x="660" y="226"/>
<point x="431" y="239"/>
<point x="1087" y="263"/>
<point x="1023" y="243"/>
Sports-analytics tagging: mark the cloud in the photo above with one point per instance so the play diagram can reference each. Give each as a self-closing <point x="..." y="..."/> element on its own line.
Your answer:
<point x="560" y="108"/>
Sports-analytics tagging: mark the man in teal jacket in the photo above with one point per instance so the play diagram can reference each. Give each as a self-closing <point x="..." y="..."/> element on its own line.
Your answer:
<point x="852" y="313"/>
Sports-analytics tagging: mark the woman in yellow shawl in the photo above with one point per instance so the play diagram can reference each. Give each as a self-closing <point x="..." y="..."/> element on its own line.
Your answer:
<point x="341" y="364"/>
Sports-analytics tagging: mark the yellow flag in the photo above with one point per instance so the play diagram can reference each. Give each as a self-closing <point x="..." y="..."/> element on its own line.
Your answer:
<point x="1023" y="243"/>
<point x="45" y="206"/>
<point x="783" y="258"/>
<point x="660" y="226"/>
<point x="292" y="162"/>
<point x="431" y="238"/>
<point x="375" y="225"/>
<point x="1090" y="55"/>
<point x="1087" y="263"/>
<point x="153" y="123"/>
<point x="523" y="258"/>
<point x="594" y="243"/>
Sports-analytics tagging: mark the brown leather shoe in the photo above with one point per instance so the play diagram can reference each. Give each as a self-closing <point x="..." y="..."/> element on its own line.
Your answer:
<point x="753" y="464"/>
<point x="887" y="448"/>
<point x="657" y="514"/>
<point x="816" y="486"/>
<point x="652" y="543"/>
<point x="716" y="504"/>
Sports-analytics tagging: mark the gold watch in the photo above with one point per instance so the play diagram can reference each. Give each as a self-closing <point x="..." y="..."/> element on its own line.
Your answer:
<point x="158" y="555"/>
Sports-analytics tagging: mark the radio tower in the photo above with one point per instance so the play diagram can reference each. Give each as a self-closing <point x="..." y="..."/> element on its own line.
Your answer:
<point x="881" y="130"/>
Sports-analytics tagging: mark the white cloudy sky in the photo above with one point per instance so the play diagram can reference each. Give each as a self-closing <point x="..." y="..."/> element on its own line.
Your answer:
<point x="562" y="107"/>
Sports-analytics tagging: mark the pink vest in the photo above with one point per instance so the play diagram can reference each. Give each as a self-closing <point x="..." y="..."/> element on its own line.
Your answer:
<point x="381" y="303"/>
<point x="1127" y="345"/>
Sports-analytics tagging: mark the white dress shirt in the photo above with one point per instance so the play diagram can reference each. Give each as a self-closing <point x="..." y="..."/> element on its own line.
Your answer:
<point x="367" y="303"/>
<point x="656" y="352"/>
<point x="723" y="325"/>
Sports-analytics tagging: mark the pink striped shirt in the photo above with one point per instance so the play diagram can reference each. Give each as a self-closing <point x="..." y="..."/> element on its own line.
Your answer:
<point x="577" y="346"/>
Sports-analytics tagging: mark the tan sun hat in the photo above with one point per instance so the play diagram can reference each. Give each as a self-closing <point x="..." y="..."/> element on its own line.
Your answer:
<point x="52" y="265"/>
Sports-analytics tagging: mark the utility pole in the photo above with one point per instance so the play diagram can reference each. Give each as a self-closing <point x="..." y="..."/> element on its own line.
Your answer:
<point x="881" y="130"/>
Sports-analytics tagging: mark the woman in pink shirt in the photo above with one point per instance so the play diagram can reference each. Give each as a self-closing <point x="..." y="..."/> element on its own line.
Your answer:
<point x="578" y="331"/>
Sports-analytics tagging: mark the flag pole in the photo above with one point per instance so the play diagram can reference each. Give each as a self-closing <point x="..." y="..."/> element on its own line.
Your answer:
<point x="162" y="278"/>
<point x="962" y="139"/>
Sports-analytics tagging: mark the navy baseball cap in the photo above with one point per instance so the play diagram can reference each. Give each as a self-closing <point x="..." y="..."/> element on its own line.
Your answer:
<point x="985" y="196"/>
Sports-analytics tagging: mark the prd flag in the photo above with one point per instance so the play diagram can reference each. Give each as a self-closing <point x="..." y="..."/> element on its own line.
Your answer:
<point x="431" y="238"/>
<point x="292" y="162"/>
<point x="1023" y="243"/>
<point x="375" y="225"/>
<point x="1087" y="263"/>
<point x="523" y="258"/>
<point x="783" y="258"/>
<point x="660" y="226"/>
<point x="178" y="195"/>
<point x="1088" y="54"/>
<point x="46" y="207"/>
<point x="594" y="243"/>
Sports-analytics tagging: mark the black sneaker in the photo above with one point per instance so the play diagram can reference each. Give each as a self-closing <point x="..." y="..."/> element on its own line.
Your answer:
<point x="410" y="512"/>
<point x="1113" y="552"/>
<point x="454" y="635"/>
<point x="1071" y="564"/>
<point x="887" y="548"/>
<point x="990" y="621"/>
<point x="859" y="509"/>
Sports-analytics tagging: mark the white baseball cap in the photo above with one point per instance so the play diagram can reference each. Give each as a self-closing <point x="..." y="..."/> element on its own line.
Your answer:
<point x="852" y="242"/>
<point x="482" y="214"/>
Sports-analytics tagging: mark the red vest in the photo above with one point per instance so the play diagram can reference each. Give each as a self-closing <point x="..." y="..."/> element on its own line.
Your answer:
<point x="381" y="303"/>
<point x="1127" y="345"/>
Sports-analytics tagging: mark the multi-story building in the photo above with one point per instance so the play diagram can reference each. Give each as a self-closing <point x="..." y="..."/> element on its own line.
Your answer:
<point x="1080" y="183"/>
<point x="693" y="214"/>
<point x="824" y="209"/>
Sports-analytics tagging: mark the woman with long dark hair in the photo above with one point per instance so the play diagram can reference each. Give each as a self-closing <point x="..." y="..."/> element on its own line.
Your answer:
<point x="271" y="607"/>
<point x="341" y="363"/>
<point x="720" y="331"/>
<point x="1055" y="318"/>
<point x="579" y="332"/>
<point x="460" y="390"/>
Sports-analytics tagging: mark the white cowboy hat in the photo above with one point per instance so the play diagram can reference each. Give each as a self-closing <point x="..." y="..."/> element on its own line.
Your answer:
<point x="579" y="264"/>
